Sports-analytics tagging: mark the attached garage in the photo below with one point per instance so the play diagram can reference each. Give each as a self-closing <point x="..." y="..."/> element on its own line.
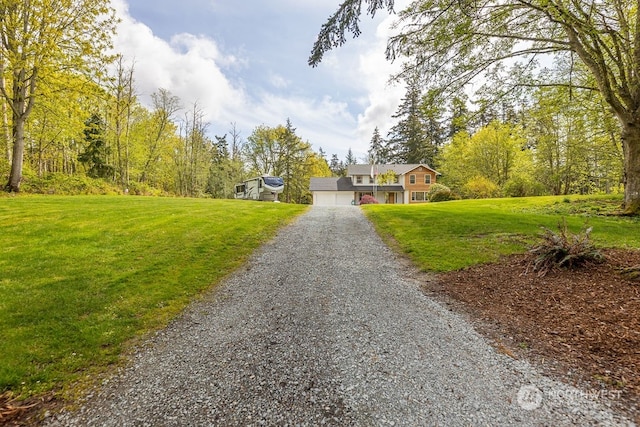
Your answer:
<point x="332" y="191"/>
<point x="332" y="198"/>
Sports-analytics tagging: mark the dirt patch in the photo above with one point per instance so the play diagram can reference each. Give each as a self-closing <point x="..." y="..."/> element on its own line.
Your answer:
<point x="583" y="325"/>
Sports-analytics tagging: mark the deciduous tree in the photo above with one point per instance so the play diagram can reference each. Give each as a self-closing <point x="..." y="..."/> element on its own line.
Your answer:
<point x="575" y="141"/>
<point x="39" y="38"/>
<point x="193" y="157"/>
<point x="123" y="100"/>
<point x="496" y="152"/>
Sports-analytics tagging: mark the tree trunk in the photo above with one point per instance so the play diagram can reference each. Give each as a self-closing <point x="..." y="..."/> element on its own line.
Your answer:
<point x="6" y="134"/>
<point x="631" y="147"/>
<point x="13" y="186"/>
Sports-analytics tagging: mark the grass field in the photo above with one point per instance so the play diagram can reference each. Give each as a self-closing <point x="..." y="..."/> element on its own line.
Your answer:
<point x="82" y="277"/>
<point x="451" y="235"/>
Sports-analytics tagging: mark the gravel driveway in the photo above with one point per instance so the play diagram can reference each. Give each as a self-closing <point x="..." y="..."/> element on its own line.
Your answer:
<point x="324" y="326"/>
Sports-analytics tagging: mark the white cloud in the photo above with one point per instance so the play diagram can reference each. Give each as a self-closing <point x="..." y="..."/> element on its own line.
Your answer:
<point x="374" y="70"/>
<point x="196" y="69"/>
<point x="368" y="69"/>
<point x="325" y="123"/>
<point x="189" y="66"/>
<point x="278" y="81"/>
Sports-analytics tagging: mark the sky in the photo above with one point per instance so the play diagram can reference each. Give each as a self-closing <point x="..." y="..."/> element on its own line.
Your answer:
<point x="245" y="62"/>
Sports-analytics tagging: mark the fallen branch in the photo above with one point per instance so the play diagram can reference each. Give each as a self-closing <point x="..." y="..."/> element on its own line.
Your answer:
<point x="9" y="407"/>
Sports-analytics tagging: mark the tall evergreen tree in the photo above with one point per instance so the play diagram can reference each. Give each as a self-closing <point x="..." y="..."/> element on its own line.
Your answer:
<point x="433" y="112"/>
<point x="336" y="166"/>
<point x="378" y="151"/>
<point x="293" y="153"/>
<point x="350" y="159"/>
<point x="408" y="139"/>
<point x="96" y="154"/>
<point x="220" y="183"/>
<point x="459" y="116"/>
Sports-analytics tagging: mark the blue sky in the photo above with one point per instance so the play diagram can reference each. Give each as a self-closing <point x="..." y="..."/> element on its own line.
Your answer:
<point x="245" y="61"/>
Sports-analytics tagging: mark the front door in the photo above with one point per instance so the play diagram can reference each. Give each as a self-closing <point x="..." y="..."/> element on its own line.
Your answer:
<point x="391" y="198"/>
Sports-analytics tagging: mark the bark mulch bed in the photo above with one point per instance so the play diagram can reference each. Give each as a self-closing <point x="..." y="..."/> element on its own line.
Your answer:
<point x="582" y="325"/>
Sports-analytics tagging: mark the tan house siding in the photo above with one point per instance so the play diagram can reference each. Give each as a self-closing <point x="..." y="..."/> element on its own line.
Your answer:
<point x="420" y="184"/>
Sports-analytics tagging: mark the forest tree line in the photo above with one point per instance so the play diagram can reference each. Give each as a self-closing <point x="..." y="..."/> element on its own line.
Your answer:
<point x="65" y="114"/>
<point x="70" y="118"/>
<point x="544" y="141"/>
<point x="166" y="149"/>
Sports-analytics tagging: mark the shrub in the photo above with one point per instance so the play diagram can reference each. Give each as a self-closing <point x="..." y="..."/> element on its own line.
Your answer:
<point x="520" y="186"/>
<point x="62" y="184"/>
<point x="368" y="200"/>
<point x="481" y="187"/>
<point x="442" y="196"/>
<point x="563" y="249"/>
<point x="436" y="188"/>
<point x="143" y="189"/>
<point x="441" y="193"/>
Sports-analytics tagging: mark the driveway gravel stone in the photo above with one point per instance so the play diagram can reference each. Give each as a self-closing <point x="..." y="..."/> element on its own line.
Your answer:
<point x="325" y="326"/>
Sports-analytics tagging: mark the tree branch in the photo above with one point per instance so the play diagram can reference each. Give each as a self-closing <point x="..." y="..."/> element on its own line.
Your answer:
<point x="345" y="19"/>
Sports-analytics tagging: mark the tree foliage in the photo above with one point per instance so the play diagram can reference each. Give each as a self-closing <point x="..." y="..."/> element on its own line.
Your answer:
<point x="96" y="154"/>
<point x="38" y="40"/>
<point x="387" y="178"/>
<point x="409" y="140"/>
<point x="280" y="151"/>
<point x="576" y="141"/>
<point x="378" y="151"/>
<point x="496" y="154"/>
<point x="345" y="19"/>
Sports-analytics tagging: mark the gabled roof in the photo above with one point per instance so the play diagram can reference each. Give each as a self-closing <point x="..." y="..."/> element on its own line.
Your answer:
<point x="331" y="184"/>
<point x="398" y="169"/>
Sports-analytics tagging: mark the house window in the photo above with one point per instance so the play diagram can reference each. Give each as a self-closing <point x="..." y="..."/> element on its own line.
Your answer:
<point x="358" y="179"/>
<point x="419" y="196"/>
<point x="427" y="179"/>
<point x="412" y="179"/>
<point x="370" y="180"/>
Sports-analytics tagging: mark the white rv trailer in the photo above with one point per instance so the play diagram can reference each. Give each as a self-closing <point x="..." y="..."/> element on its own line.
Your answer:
<point x="264" y="188"/>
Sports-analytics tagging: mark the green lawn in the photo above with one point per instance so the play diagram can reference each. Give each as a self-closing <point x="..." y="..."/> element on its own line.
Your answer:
<point x="452" y="235"/>
<point x="81" y="277"/>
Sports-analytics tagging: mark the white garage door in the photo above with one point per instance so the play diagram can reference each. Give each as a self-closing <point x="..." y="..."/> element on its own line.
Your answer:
<point x="332" y="198"/>
<point x="344" y="199"/>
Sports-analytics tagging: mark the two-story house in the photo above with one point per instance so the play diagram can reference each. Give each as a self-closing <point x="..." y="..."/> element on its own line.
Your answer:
<point x="410" y="184"/>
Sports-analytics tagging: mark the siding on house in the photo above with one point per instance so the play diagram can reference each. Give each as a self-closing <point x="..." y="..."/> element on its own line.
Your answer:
<point x="416" y="192"/>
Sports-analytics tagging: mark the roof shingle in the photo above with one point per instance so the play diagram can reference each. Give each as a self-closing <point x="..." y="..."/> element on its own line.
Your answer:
<point x="331" y="184"/>
<point x="398" y="169"/>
